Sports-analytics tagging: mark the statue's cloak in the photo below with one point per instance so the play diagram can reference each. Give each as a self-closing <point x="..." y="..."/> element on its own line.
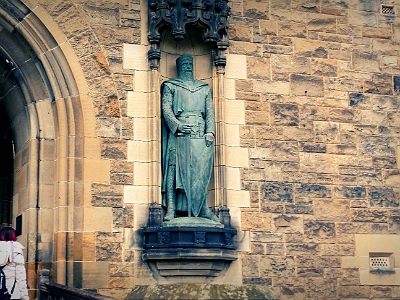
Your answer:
<point x="185" y="103"/>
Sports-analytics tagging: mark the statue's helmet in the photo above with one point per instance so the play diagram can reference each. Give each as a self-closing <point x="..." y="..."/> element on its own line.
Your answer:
<point x="183" y="58"/>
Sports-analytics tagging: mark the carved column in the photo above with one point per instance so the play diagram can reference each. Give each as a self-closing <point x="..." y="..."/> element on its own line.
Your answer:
<point x="220" y="164"/>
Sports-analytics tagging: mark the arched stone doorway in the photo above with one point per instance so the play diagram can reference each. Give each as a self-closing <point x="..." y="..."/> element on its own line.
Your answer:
<point x="41" y="106"/>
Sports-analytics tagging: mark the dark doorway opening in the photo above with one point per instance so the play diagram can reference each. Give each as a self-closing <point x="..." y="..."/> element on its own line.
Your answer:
<point x="6" y="169"/>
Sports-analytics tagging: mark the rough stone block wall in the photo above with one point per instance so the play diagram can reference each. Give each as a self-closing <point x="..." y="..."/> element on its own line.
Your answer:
<point x="322" y="128"/>
<point x="312" y="95"/>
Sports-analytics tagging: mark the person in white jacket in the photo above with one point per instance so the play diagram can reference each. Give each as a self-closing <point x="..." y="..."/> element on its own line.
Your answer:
<point x="13" y="263"/>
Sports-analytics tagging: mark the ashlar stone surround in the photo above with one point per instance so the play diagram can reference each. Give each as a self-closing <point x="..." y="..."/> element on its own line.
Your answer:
<point x="144" y="152"/>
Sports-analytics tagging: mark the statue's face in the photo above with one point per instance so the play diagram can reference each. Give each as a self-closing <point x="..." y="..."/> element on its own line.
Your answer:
<point x="185" y="66"/>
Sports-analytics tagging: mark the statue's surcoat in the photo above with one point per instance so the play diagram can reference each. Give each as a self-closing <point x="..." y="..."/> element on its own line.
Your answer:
<point x="187" y="103"/>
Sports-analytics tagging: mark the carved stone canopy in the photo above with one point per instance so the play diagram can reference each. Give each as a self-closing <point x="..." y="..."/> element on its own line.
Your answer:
<point x="211" y="15"/>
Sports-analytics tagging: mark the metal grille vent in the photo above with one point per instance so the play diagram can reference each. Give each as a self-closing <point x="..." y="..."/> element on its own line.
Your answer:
<point x="379" y="262"/>
<point x="388" y="10"/>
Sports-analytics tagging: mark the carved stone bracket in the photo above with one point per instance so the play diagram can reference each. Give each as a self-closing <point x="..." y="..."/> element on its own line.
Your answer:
<point x="195" y="250"/>
<point x="200" y="252"/>
<point x="212" y="15"/>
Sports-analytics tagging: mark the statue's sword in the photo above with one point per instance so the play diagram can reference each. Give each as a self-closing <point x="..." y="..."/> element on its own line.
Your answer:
<point x="184" y="156"/>
<point x="188" y="171"/>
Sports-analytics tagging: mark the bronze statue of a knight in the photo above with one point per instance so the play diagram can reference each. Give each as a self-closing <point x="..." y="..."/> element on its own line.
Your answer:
<point x="188" y="133"/>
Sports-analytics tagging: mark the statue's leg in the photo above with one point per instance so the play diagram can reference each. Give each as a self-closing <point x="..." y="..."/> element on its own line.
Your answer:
<point x="171" y="193"/>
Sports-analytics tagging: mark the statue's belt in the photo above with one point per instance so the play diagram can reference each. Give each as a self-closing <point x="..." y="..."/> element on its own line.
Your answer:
<point x="198" y="125"/>
<point x="194" y="134"/>
<point x="189" y="116"/>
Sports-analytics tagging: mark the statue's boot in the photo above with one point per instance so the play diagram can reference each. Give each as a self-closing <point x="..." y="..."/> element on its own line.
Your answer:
<point x="171" y="208"/>
<point x="170" y="214"/>
<point x="208" y="214"/>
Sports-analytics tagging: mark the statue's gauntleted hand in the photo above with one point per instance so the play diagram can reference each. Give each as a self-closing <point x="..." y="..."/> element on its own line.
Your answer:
<point x="209" y="137"/>
<point x="185" y="128"/>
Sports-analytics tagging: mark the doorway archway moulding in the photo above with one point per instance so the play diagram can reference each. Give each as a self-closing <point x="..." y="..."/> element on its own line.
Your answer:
<point x="52" y="120"/>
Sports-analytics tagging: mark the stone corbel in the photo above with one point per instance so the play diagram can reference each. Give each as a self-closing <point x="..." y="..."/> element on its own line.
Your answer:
<point x="188" y="252"/>
<point x="212" y="15"/>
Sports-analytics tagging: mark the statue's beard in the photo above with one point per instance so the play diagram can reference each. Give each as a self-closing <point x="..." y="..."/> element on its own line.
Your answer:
<point x="186" y="75"/>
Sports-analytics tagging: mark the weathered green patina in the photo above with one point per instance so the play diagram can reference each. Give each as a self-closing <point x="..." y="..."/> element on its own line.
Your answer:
<point x="188" y="131"/>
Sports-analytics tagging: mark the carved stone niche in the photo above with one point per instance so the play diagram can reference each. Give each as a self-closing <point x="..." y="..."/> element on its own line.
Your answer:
<point x="211" y="15"/>
<point x="196" y="253"/>
<point x="195" y="250"/>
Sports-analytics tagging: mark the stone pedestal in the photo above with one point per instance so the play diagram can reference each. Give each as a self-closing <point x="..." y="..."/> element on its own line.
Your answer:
<point x="188" y="249"/>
